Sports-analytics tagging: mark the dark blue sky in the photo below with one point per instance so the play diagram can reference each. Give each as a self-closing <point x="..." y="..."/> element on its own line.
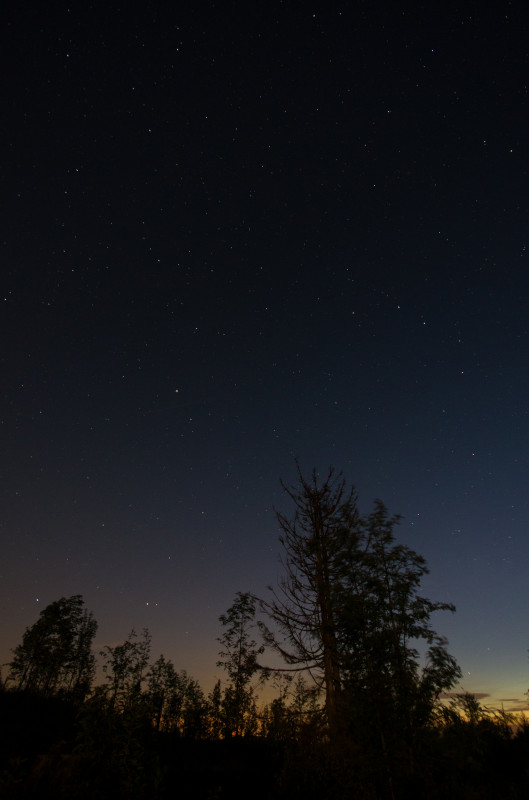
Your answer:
<point x="237" y="236"/>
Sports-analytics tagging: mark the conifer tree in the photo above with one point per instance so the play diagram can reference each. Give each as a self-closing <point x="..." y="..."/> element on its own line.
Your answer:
<point x="348" y="611"/>
<point x="303" y="611"/>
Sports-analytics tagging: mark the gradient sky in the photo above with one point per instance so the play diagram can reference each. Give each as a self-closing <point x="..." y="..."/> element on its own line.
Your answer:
<point x="238" y="234"/>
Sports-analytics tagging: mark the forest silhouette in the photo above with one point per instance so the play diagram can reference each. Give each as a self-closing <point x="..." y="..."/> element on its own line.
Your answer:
<point x="363" y="705"/>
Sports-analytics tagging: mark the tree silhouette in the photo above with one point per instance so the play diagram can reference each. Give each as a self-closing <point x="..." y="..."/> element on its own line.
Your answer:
<point x="390" y="687"/>
<point x="55" y="655"/>
<point x="125" y="666"/>
<point x="164" y="694"/>
<point x="348" y="611"/>
<point x="239" y="658"/>
<point x="303" y="608"/>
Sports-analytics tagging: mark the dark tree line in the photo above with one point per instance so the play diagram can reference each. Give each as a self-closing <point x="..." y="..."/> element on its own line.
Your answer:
<point x="360" y="709"/>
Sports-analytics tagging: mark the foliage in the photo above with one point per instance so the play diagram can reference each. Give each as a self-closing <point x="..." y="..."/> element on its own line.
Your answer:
<point x="125" y="667"/>
<point x="303" y="607"/>
<point x="215" y="716"/>
<point x="194" y="721"/>
<point x="294" y="715"/>
<point x="305" y="711"/>
<point x="172" y="696"/>
<point x="150" y="730"/>
<point x="55" y="655"/>
<point x="382" y="622"/>
<point x="348" y="610"/>
<point x="239" y="657"/>
<point x="115" y="751"/>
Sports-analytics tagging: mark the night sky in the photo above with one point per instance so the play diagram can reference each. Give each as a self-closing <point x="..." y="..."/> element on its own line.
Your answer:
<point x="237" y="234"/>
